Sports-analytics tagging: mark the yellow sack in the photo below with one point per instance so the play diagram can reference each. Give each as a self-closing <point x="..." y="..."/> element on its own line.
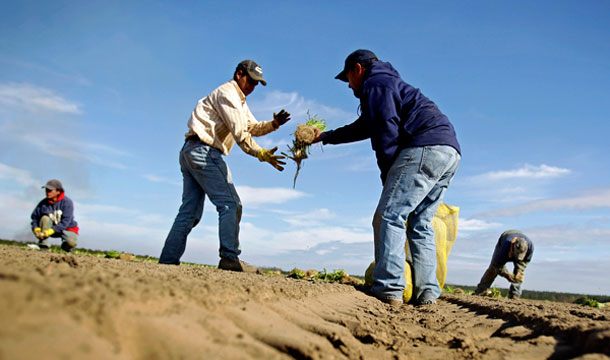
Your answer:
<point x="406" y="295"/>
<point x="445" y="224"/>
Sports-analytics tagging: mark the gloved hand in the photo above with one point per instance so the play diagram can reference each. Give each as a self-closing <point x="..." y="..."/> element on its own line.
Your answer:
<point x="46" y="233"/>
<point x="519" y="276"/>
<point x="268" y="156"/>
<point x="280" y="118"/>
<point x="37" y="232"/>
<point x="509" y="277"/>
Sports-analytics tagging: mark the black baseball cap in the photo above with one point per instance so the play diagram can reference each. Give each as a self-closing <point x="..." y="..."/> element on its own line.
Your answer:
<point x="362" y="57"/>
<point x="253" y="70"/>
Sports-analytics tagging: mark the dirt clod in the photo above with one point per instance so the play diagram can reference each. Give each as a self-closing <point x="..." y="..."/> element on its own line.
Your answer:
<point x="305" y="134"/>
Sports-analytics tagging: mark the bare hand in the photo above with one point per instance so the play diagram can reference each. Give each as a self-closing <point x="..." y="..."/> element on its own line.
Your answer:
<point x="318" y="136"/>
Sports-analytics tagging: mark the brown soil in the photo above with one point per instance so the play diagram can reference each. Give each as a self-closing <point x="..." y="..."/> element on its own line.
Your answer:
<point x="305" y="134"/>
<point x="62" y="306"/>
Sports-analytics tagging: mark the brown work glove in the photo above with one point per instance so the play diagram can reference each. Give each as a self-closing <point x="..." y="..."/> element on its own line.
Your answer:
<point x="280" y="118"/>
<point x="519" y="276"/>
<point x="509" y="277"/>
<point x="268" y="156"/>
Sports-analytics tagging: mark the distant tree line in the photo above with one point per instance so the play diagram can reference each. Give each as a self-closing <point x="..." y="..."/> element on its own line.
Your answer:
<point x="544" y="295"/>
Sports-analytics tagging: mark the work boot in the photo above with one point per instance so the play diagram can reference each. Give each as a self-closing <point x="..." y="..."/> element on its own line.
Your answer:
<point x="44" y="245"/>
<point x="425" y="299"/>
<point x="386" y="299"/>
<point x="65" y="246"/>
<point x="390" y="301"/>
<point x="235" y="265"/>
<point x="513" y="296"/>
<point x="485" y="292"/>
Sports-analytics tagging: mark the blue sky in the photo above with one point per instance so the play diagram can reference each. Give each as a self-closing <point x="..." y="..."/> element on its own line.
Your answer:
<point x="97" y="94"/>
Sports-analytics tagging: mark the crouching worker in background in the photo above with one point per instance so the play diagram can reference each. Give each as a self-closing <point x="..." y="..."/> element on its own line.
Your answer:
<point x="54" y="217"/>
<point x="513" y="246"/>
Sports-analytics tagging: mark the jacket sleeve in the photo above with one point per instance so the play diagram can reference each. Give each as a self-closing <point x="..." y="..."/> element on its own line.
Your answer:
<point x="67" y="216"/>
<point x="36" y="217"/>
<point x="355" y="131"/>
<point x="530" y="252"/>
<point x="520" y="266"/>
<point x="256" y="128"/>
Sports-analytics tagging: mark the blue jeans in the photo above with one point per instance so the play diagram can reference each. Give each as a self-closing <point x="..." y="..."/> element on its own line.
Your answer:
<point x="204" y="172"/>
<point x="413" y="190"/>
<point x="68" y="238"/>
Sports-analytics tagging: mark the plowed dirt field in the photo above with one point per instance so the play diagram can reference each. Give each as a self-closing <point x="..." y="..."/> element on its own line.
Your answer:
<point x="64" y="306"/>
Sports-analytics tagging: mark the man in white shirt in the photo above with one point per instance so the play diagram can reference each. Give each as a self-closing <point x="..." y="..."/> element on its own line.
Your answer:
<point x="218" y="121"/>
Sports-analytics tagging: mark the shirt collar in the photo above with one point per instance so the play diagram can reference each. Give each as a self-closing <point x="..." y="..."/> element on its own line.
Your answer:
<point x="241" y="93"/>
<point x="59" y="198"/>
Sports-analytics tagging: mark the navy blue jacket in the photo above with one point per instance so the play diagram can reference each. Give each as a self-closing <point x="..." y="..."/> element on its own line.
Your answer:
<point x="61" y="212"/>
<point x="395" y="116"/>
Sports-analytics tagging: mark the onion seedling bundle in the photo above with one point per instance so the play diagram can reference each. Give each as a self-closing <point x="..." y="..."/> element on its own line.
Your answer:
<point x="303" y="137"/>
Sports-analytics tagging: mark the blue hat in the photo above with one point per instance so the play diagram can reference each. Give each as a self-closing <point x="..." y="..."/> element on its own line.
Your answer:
<point x="362" y="57"/>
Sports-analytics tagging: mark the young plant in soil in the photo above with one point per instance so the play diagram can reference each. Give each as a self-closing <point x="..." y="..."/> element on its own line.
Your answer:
<point x="303" y="137"/>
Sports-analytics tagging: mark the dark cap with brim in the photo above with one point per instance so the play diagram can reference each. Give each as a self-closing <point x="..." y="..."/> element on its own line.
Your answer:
<point x="520" y="248"/>
<point x="254" y="71"/>
<point x="362" y="57"/>
<point x="54" y="185"/>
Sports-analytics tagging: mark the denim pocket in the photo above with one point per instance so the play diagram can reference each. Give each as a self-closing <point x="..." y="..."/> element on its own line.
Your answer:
<point x="434" y="162"/>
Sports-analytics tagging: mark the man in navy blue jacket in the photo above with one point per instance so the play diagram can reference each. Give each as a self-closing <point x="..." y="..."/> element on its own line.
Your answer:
<point x="417" y="153"/>
<point x="54" y="217"/>
<point x="513" y="246"/>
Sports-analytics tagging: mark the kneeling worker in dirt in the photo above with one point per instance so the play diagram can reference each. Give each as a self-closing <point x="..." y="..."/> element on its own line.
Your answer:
<point x="54" y="217"/>
<point x="513" y="246"/>
<point x="217" y="122"/>
<point x="417" y="153"/>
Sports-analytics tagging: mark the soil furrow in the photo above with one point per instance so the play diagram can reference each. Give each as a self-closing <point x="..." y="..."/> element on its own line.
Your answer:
<point x="76" y="306"/>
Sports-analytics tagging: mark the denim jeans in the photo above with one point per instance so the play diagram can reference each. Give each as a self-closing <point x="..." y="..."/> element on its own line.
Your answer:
<point x="70" y="238"/>
<point x="495" y="269"/>
<point x="413" y="190"/>
<point x="204" y="172"/>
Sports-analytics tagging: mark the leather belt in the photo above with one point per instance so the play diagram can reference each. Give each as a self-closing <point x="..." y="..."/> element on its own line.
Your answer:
<point x="196" y="138"/>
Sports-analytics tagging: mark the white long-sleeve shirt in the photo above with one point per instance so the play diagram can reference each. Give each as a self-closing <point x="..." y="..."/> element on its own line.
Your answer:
<point x="223" y="118"/>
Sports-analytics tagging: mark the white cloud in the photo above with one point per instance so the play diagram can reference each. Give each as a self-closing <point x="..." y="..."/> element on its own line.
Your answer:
<point x="313" y="218"/>
<point x="136" y="216"/>
<point x="476" y="225"/>
<point x="12" y="204"/>
<point x="526" y="172"/>
<point x="570" y="236"/>
<point x="256" y="196"/>
<point x="273" y="242"/>
<point x="70" y="149"/>
<point x="19" y="176"/>
<point x="159" y="179"/>
<point x="592" y="200"/>
<point x="366" y="163"/>
<point x="297" y="106"/>
<point x="33" y="98"/>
